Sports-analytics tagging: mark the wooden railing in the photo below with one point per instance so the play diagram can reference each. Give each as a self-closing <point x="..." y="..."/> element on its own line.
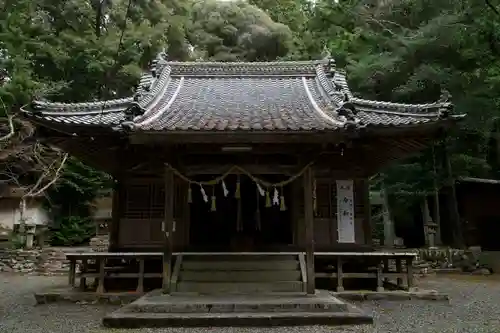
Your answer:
<point x="383" y="271"/>
<point x="101" y="272"/>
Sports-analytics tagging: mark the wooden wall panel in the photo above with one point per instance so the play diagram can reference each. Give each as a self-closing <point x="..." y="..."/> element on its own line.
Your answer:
<point x="139" y="233"/>
<point x="144" y="202"/>
<point x="143" y="212"/>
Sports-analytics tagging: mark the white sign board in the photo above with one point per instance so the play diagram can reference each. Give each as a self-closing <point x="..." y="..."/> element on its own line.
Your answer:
<point x="345" y="211"/>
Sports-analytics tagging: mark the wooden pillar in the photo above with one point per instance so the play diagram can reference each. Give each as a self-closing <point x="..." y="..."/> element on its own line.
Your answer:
<point x="186" y="215"/>
<point x="168" y="224"/>
<point x="367" y="208"/>
<point x="295" y="214"/>
<point x="117" y="205"/>
<point x="389" y="235"/>
<point x="114" y="231"/>
<point x="309" y="231"/>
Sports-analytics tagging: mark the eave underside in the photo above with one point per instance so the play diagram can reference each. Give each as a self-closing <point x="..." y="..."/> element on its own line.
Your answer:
<point x="361" y="156"/>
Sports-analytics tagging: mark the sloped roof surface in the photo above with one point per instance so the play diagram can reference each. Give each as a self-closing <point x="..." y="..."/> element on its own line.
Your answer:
<point x="266" y="96"/>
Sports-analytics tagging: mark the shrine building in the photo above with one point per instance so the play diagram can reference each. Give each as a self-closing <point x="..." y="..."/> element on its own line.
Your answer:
<point x="225" y="161"/>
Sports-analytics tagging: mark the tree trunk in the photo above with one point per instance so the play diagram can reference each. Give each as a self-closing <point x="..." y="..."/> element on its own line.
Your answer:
<point x="437" y="217"/>
<point x="437" y="208"/>
<point x="455" y="222"/>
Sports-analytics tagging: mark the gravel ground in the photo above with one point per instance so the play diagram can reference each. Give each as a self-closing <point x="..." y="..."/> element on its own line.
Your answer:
<point x="474" y="308"/>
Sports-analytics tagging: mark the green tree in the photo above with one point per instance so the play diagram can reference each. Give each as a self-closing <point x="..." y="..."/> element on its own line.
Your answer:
<point x="58" y="50"/>
<point x="236" y="31"/>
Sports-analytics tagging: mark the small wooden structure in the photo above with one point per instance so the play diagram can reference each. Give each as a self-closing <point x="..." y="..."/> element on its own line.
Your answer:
<point x="241" y="158"/>
<point x="477" y="200"/>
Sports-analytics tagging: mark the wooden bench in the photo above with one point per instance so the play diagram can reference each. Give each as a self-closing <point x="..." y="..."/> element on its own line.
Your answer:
<point x="101" y="272"/>
<point x="382" y="271"/>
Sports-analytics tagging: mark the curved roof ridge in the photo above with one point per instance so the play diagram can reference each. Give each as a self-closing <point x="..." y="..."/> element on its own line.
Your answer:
<point x="82" y="113"/>
<point x="149" y="98"/>
<point x="420" y="108"/>
<point x="81" y="105"/>
<point x="321" y="113"/>
<point x="248" y="63"/>
<point x="243" y="69"/>
<point x="146" y="120"/>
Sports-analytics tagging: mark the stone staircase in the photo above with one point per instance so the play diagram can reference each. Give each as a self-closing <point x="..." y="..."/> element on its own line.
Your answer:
<point x="190" y="310"/>
<point x="237" y="290"/>
<point x="238" y="274"/>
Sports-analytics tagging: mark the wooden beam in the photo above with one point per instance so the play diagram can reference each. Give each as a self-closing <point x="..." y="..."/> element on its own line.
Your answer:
<point x="168" y="229"/>
<point x="309" y="229"/>
<point x="225" y="137"/>
<point x="253" y="169"/>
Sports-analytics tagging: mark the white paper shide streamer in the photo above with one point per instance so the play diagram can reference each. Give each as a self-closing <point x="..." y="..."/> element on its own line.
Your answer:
<point x="224" y="189"/>
<point x="204" y="194"/>
<point x="276" y="197"/>
<point x="261" y="190"/>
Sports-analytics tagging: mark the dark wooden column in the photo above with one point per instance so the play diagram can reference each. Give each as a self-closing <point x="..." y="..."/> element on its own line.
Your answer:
<point x="295" y="213"/>
<point x="367" y="211"/>
<point x="309" y="229"/>
<point x="168" y="225"/>
<point x="117" y="206"/>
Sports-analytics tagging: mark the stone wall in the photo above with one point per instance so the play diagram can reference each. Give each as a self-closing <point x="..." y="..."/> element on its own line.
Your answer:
<point x="100" y="243"/>
<point x="19" y="261"/>
<point x="47" y="261"/>
<point x="441" y="259"/>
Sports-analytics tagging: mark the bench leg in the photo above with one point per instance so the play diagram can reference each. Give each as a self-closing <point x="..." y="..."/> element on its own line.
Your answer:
<point x="100" y="287"/>
<point x="340" y="275"/>
<point x="399" y="270"/>
<point x="140" y="282"/>
<point x="72" y="272"/>
<point x="386" y="269"/>
<point x="409" y="271"/>
<point x="380" y="279"/>
<point x="83" y="281"/>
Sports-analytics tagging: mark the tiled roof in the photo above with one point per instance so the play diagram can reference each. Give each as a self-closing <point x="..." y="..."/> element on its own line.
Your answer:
<point x="208" y="96"/>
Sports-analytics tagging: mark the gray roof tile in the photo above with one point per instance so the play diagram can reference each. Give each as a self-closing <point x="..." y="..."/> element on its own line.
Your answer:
<point x="282" y="96"/>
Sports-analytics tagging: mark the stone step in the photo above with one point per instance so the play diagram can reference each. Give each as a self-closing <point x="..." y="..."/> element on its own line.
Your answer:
<point x="239" y="288"/>
<point x="240" y="258"/>
<point x="268" y="265"/>
<point x="245" y="304"/>
<point x="239" y="276"/>
<point x="120" y="319"/>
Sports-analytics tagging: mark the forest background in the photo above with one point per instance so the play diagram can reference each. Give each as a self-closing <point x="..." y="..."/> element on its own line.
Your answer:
<point x="393" y="50"/>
